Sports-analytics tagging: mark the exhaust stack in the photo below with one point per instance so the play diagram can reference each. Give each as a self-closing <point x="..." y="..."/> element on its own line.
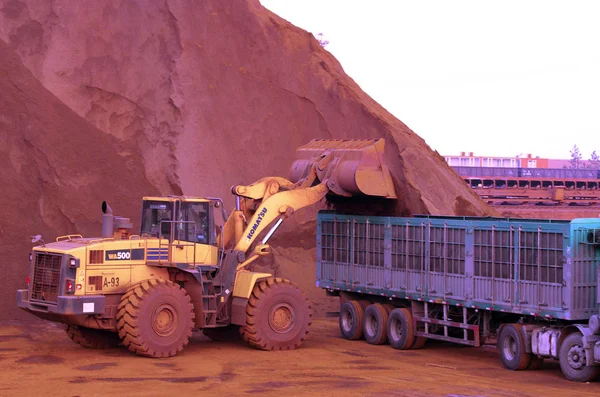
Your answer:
<point x="107" y="220"/>
<point x="114" y="226"/>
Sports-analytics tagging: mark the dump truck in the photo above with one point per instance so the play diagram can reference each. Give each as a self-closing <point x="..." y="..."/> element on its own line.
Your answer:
<point x="187" y="269"/>
<point x="529" y="287"/>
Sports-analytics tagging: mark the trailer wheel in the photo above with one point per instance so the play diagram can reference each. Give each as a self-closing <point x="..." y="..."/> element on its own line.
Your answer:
<point x="419" y="343"/>
<point x="512" y="348"/>
<point x="351" y="320"/>
<point x="375" y="324"/>
<point x="400" y="329"/>
<point x="223" y="334"/>
<point x="278" y="316"/>
<point x="92" y="338"/>
<point x="155" y="318"/>
<point x="571" y="357"/>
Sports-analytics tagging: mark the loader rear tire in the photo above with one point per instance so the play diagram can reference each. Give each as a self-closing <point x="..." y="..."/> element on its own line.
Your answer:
<point x="92" y="338"/>
<point x="278" y="316"/>
<point x="155" y="318"/>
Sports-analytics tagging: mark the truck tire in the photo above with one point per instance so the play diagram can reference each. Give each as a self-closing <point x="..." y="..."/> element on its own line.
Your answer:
<point x="278" y="316"/>
<point x="375" y="324"/>
<point x="400" y="329"/>
<point x="155" y="318"/>
<point x="230" y="333"/>
<point x="351" y="320"/>
<point x="92" y="338"/>
<point x="511" y="346"/>
<point x="571" y="357"/>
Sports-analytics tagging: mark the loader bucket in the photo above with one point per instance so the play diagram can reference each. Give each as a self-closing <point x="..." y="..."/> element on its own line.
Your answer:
<point x="349" y="167"/>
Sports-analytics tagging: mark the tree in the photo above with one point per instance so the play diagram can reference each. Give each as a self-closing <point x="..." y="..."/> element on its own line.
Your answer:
<point x="594" y="161"/>
<point x="575" y="161"/>
<point x="321" y="41"/>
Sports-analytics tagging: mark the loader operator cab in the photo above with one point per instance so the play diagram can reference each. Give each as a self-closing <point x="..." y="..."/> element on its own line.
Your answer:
<point x="177" y="219"/>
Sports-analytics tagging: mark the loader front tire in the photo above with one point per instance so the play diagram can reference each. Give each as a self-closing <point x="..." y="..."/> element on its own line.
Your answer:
<point x="93" y="338"/>
<point x="155" y="318"/>
<point x="278" y="316"/>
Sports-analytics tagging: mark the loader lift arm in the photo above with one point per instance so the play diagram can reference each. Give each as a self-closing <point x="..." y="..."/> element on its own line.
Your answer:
<point x="339" y="167"/>
<point x="275" y="199"/>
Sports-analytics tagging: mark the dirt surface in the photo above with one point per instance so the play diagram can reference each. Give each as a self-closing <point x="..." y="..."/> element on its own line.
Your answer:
<point x="41" y="354"/>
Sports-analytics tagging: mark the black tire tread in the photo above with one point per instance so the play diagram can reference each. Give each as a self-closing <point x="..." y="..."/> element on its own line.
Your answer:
<point x="92" y="338"/>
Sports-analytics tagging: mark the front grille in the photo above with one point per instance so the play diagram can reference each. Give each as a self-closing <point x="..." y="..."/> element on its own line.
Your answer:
<point x="46" y="277"/>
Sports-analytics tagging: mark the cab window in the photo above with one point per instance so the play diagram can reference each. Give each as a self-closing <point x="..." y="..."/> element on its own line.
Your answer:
<point x="153" y="213"/>
<point x="198" y="231"/>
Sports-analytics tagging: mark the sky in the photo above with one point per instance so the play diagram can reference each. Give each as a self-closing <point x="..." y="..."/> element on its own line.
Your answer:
<point x="496" y="78"/>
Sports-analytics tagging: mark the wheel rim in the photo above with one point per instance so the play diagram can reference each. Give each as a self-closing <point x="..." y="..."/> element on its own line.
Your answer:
<point x="371" y="324"/>
<point x="396" y="331"/>
<point x="347" y="321"/>
<point x="164" y="320"/>
<point x="510" y="348"/>
<point x="281" y="317"/>
<point x="576" y="357"/>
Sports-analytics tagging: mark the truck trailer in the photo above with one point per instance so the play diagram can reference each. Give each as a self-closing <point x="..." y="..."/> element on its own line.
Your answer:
<point x="528" y="287"/>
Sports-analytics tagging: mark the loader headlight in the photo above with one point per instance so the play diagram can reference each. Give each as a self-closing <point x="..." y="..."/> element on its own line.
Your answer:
<point x="73" y="262"/>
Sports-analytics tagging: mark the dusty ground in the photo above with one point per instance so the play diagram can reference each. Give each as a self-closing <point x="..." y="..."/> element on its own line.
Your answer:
<point x="40" y="359"/>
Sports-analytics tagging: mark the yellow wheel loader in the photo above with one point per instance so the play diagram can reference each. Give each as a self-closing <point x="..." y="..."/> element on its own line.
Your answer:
<point x="187" y="268"/>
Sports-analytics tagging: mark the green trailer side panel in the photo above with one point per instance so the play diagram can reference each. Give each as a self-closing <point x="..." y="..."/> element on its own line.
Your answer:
<point x="526" y="266"/>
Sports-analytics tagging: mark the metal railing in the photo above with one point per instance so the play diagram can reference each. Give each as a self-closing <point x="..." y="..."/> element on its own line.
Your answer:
<point x="175" y="239"/>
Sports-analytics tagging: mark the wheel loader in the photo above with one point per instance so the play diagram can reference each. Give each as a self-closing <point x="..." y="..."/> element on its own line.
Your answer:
<point x="187" y="269"/>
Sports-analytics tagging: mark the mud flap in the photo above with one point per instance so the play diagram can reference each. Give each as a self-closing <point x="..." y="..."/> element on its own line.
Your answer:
<point x="238" y="311"/>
